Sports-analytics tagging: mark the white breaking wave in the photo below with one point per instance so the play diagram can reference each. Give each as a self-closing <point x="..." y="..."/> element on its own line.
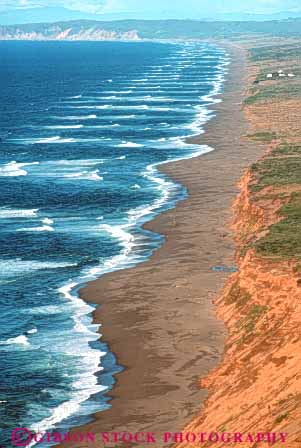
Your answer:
<point x="42" y="141"/>
<point x="104" y="106"/>
<point x="18" y="213"/>
<point x="44" y="228"/>
<point x="129" y="145"/>
<point x="56" y="139"/>
<point x="22" y="340"/>
<point x="71" y="126"/>
<point x="120" y="92"/>
<point x="85" y="175"/>
<point x="16" y="266"/>
<point x="75" y="117"/>
<point x="59" y="140"/>
<point x="85" y="382"/>
<point x="47" y="221"/>
<point x="13" y="169"/>
<point x="77" y="162"/>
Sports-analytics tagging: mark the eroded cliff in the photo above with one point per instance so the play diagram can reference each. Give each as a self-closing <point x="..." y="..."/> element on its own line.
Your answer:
<point x="257" y="387"/>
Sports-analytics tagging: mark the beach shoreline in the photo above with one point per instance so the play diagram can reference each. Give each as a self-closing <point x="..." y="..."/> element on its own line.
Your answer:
<point x="158" y="318"/>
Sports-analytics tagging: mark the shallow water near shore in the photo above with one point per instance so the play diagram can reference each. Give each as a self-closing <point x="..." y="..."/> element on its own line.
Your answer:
<point x="83" y="127"/>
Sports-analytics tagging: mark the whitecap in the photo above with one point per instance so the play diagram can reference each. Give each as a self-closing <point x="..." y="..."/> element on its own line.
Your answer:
<point x="47" y="221"/>
<point x="71" y="126"/>
<point x="18" y="213"/>
<point x="104" y="106"/>
<point x="118" y="91"/>
<point x="129" y="145"/>
<point x="76" y="162"/>
<point x="22" y="340"/>
<point x="66" y="140"/>
<point x="44" y="228"/>
<point x="14" y="267"/>
<point x="85" y="175"/>
<point x="14" y="169"/>
<point x="76" y="117"/>
<point x="46" y="140"/>
<point x="43" y="141"/>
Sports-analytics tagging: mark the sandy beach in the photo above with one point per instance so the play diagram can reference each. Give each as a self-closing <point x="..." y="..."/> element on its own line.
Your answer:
<point x="158" y="318"/>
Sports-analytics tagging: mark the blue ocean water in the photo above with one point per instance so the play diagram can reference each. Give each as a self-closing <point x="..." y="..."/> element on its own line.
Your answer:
<point x="83" y="127"/>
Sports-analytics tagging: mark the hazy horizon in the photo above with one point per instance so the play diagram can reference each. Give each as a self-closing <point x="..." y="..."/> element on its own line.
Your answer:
<point x="26" y="11"/>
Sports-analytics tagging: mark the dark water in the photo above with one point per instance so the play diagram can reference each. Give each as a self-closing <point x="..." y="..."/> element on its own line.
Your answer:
<point x="83" y="126"/>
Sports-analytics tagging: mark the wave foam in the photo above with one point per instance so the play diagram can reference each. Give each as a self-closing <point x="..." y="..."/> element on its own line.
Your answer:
<point x="22" y="340"/>
<point x="130" y="145"/>
<point x="14" y="169"/>
<point x="71" y="126"/>
<point x="18" y="213"/>
<point x="75" y="117"/>
<point x="16" y="266"/>
<point x="85" y="175"/>
<point x="44" y="228"/>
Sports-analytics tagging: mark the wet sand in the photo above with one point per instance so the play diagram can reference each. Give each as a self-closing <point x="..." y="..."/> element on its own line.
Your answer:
<point x="158" y="318"/>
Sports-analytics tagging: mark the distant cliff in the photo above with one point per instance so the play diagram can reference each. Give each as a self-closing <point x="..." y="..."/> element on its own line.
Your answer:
<point x="64" y="31"/>
<point x="147" y="29"/>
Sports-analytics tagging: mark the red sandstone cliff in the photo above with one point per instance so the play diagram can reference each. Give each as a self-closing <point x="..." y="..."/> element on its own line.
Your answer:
<point x="257" y="387"/>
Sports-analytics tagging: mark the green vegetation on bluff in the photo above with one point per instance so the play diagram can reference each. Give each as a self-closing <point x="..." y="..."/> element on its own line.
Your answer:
<point x="279" y="72"/>
<point x="281" y="168"/>
<point x="284" y="90"/>
<point x="284" y="237"/>
<point x="263" y="136"/>
<point x="279" y="53"/>
<point x="287" y="149"/>
<point x="276" y="171"/>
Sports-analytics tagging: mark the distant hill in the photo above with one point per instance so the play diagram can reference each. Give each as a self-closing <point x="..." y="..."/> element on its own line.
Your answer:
<point x="147" y="29"/>
<point x="244" y="16"/>
<point x="52" y="14"/>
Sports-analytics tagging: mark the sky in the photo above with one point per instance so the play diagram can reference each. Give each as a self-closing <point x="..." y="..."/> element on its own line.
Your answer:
<point x="146" y="9"/>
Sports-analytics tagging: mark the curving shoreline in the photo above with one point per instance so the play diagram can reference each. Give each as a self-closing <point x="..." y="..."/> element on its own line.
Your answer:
<point x="158" y="317"/>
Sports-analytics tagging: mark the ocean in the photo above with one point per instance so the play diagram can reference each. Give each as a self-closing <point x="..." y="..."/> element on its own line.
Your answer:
<point x="83" y="127"/>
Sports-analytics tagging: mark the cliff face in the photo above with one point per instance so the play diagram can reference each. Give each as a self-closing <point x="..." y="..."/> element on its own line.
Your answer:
<point x="257" y="386"/>
<point x="66" y="33"/>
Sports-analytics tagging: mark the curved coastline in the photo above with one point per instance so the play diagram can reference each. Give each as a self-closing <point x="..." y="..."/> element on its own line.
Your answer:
<point x="158" y="317"/>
